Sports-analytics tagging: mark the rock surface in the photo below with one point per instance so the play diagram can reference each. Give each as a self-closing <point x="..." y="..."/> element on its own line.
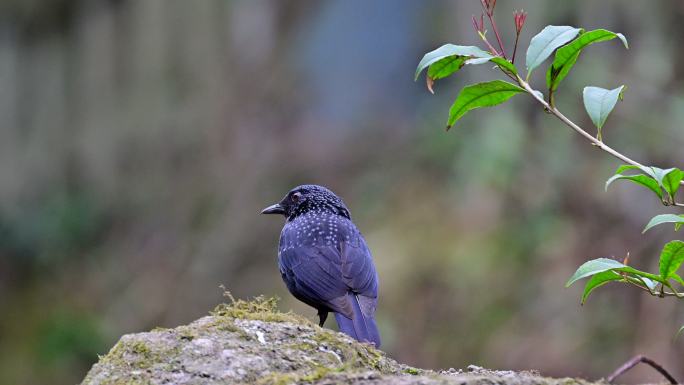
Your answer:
<point x="251" y="342"/>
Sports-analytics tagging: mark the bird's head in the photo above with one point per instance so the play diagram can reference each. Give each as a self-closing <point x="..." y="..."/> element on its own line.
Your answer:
<point x="305" y="198"/>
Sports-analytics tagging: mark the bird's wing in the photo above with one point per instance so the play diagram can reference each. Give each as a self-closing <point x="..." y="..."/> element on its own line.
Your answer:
<point x="350" y="262"/>
<point x="322" y="272"/>
<point x="313" y="278"/>
<point x="358" y="271"/>
<point x="322" y="276"/>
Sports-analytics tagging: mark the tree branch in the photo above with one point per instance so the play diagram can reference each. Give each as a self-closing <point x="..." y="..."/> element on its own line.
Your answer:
<point x="633" y="362"/>
<point x="515" y="48"/>
<point x="553" y="110"/>
<point x="575" y="127"/>
<point x="491" y="47"/>
<point x="656" y="293"/>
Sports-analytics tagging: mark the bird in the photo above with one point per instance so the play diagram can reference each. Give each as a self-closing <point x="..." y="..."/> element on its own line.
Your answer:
<point x="325" y="261"/>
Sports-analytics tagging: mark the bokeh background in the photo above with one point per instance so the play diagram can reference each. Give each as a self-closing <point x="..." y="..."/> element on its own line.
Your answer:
<point x="140" y="139"/>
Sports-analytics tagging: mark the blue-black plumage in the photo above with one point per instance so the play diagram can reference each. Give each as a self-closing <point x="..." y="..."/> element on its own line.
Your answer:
<point x="325" y="261"/>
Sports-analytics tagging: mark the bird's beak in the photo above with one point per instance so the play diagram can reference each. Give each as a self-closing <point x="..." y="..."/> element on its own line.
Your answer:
<point x="274" y="209"/>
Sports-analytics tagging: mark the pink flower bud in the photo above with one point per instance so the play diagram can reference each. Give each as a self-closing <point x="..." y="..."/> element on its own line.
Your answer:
<point x="519" y="19"/>
<point x="479" y="27"/>
<point x="488" y="6"/>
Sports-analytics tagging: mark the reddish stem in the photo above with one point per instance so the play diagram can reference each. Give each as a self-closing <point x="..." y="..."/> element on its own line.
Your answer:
<point x="496" y="32"/>
<point x="491" y="47"/>
<point x="515" y="47"/>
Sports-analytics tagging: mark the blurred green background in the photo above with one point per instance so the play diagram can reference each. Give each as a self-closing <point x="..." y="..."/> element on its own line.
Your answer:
<point x="140" y="139"/>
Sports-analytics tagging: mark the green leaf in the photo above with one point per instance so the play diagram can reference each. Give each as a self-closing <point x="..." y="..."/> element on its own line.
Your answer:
<point x="641" y="179"/>
<point x="505" y="65"/>
<point x="664" y="218"/>
<point x="478" y="60"/>
<point x="668" y="179"/>
<point x="677" y="278"/>
<point x="598" y="280"/>
<point x="651" y="171"/>
<point x="600" y="265"/>
<point x="594" y="267"/>
<point x="447" y="51"/>
<point x="643" y="274"/>
<point x="567" y="55"/>
<point x="446" y="67"/>
<point x="481" y="95"/>
<point x="599" y="102"/>
<point x="554" y="75"/>
<point x="671" y="258"/>
<point x="652" y="180"/>
<point x="672" y="180"/>
<point x="649" y="283"/>
<point x="502" y="63"/>
<point x="626" y="167"/>
<point x="545" y="42"/>
<point x="659" y="174"/>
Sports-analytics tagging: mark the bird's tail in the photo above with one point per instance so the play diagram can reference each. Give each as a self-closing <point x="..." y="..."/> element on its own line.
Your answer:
<point x="361" y="327"/>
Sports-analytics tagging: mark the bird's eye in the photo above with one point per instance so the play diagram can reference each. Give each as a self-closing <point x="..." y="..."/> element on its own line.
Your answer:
<point x="296" y="197"/>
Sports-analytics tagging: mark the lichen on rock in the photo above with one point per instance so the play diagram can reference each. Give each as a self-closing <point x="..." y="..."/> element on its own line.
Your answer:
<point x="253" y="342"/>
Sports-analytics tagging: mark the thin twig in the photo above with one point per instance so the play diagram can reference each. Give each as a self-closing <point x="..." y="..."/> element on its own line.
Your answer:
<point x="496" y="32"/>
<point x="675" y="292"/>
<point x="634" y="361"/>
<point x="491" y="47"/>
<point x="641" y="283"/>
<point x="515" y="48"/>
<point x="575" y="127"/>
<point x="657" y="293"/>
<point x="579" y="130"/>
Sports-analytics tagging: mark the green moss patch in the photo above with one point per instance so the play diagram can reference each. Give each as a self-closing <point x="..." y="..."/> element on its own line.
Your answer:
<point x="259" y="308"/>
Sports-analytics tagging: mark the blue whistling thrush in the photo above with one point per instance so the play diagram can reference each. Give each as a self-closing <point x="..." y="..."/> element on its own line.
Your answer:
<point x="325" y="262"/>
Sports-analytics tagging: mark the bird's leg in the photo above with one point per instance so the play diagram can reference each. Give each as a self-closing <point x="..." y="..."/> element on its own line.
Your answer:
<point x="322" y="315"/>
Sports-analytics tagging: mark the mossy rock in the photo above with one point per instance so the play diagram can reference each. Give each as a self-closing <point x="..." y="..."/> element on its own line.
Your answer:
<point x="252" y="342"/>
